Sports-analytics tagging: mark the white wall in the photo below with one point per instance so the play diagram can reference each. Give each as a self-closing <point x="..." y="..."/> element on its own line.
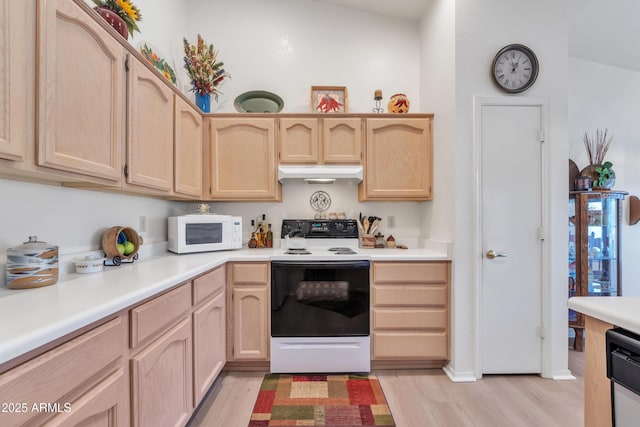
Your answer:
<point x="602" y="96"/>
<point x="344" y="198"/>
<point x="74" y="219"/>
<point x="482" y="28"/>
<point x="287" y="46"/>
<point x="437" y="95"/>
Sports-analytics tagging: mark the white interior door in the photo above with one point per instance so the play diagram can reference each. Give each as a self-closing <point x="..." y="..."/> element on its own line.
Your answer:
<point x="511" y="193"/>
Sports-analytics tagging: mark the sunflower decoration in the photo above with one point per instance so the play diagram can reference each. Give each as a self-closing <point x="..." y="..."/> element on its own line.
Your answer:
<point x="125" y="9"/>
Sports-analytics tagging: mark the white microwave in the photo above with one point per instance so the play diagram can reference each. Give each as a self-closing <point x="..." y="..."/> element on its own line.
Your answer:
<point x="204" y="233"/>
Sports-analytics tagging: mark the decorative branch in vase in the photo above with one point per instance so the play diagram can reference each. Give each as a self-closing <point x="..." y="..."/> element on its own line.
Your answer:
<point x="205" y="71"/>
<point x="601" y="172"/>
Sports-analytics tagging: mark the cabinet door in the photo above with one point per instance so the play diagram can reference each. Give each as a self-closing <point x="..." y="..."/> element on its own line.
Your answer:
<point x="250" y="322"/>
<point x="209" y="341"/>
<point x="298" y="140"/>
<point x="398" y="160"/>
<point x="187" y="171"/>
<point x="62" y="374"/>
<point x="81" y="90"/>
<point x="242" y="159"/>
<point x="342" y="140"/>
<point x="104" y="405"/>
<point x="149" y="129"/>
<point x="14" y="86"/>
<point x="161" y="380"/>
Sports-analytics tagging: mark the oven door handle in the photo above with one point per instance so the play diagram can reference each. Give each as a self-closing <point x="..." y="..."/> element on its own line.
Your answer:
<point x="321" y="264"/>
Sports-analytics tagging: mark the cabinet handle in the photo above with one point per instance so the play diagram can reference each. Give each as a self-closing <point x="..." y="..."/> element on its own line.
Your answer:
<point x="491" y="254"/>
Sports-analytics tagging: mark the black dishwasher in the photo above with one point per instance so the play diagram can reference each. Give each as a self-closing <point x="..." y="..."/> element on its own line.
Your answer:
<point x="623" y="368"/>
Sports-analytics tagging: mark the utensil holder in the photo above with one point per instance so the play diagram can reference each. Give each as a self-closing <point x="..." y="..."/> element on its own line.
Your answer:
<point x="368" y="241"/>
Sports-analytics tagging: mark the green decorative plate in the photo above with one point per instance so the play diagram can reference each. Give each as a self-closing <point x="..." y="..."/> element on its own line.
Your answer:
<point x="258" y="101"/>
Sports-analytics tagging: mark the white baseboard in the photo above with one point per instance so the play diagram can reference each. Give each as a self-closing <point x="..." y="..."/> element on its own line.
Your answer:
<point x="563" y="374"/>
<point x="459" y="376"/>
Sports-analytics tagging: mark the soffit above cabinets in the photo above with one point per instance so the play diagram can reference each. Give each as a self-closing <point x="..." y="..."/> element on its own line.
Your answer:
<point x="406" y="9"/>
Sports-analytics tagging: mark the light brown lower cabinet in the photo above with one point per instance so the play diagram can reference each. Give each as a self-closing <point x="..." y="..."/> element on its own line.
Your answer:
<point x="410" y="316"/>
<point x="104" y="405"/>
<point x="161" y="380"/>
<point x="149" y="366"/>
<point x="248" y="311"/>
<point x="78" y="380"/>
<point x="209" y="338"/>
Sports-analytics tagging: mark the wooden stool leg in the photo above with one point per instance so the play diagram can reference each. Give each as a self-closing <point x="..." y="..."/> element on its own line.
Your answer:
<point x="578" y="343"/>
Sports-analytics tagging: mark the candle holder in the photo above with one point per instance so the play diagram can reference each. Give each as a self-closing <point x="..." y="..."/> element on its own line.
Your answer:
<point x="378" y="97"/>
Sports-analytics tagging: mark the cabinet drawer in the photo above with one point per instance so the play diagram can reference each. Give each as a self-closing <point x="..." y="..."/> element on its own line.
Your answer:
<point x="387" y="318"/>
<point x="409" y="295"/>
<point x="410" y="345"/>
<point x="151" y="318"/>
<point x="60" y="375"/>
<point x="410" y="272"/>
<point x="250" y="272"/>
<point x="208" y="285"/>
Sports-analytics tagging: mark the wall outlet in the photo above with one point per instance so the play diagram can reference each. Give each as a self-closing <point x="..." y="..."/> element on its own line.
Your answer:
<point x="391" y="221"/>
<point x="142" y="224"/>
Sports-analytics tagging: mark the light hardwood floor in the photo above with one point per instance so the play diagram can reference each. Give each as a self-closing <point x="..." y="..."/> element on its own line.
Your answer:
<point x="425" y="398"/>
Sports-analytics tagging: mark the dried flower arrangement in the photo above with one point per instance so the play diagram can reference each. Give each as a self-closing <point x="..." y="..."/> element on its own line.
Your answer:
<point x="125" y="9"/>
<point x="204" y="69"/>
<point x="601" y="172"/>
<point x="597" y="146"/>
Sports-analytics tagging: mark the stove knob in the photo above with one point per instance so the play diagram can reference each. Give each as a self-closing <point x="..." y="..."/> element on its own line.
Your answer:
<point x="339" y="226"/>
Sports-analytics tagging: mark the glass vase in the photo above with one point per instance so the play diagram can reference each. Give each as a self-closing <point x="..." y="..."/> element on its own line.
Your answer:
<point x="203" y="102"/>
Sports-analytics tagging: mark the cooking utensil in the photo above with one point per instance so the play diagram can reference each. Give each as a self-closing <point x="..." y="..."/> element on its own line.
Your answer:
<point x="32" y="265"/>
<point x="295" y="240"/>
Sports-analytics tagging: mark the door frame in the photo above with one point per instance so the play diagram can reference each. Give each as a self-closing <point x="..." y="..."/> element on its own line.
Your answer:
<point x="545" y="315"/>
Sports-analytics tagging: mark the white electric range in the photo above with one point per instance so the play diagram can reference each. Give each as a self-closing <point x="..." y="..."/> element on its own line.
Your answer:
<point x="320" y="299"/>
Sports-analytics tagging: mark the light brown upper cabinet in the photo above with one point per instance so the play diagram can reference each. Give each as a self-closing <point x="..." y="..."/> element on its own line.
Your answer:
<point x="298" y="140"/>
<point x="81" y="86"/>
<point x="242" y="159"/>
<point x="14" y="85"/>
<point x="187" y="155"/>
<point x="398" y="163"/>
<point x="315" y="140"/>
<point x="149" y="129"/>
<point x="342" y="140"/>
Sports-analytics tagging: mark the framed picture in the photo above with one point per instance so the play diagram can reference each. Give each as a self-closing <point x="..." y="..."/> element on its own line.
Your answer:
<point x="329" y="99"/>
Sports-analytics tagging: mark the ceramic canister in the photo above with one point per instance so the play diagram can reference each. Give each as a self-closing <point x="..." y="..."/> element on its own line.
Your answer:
<point x="32" y="265"/>
<point x="399" y="103"/>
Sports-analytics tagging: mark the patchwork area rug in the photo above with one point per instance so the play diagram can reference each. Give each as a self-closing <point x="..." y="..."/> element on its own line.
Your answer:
<point x="321" y="400"/>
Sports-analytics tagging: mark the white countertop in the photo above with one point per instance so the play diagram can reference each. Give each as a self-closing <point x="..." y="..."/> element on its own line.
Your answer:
<point x="31" y="318"/>
<point x="405" y="255"/>
<point x="619" y="311"/>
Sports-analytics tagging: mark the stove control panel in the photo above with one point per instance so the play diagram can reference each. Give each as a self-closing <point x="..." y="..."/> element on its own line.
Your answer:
<point x="325" y="228"/>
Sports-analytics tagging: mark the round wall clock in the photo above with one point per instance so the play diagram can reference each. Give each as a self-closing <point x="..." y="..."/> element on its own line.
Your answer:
<point x="515" y="68"/>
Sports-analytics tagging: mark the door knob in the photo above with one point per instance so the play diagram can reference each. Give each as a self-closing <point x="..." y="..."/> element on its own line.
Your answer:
<point x="491" y="254"/>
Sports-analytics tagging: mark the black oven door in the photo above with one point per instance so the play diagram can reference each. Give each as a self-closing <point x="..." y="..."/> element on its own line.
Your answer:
<point x="319" y="299"/>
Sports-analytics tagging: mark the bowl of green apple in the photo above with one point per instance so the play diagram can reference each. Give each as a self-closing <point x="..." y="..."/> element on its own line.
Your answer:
<point x="121" y="244"/>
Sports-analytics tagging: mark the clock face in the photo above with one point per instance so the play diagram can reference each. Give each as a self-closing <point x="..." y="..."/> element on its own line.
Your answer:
<point x="515" y="68"/>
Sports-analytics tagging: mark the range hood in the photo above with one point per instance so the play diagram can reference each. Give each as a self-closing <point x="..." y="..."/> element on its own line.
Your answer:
<point x="320" y="173"/>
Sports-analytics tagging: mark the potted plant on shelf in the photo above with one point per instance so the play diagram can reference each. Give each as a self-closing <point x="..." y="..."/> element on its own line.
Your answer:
<point x="122" y="15"/>
<point x="601" y="173"/>
<point x="205" y="71"/>
<point x="606" y="176"/>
